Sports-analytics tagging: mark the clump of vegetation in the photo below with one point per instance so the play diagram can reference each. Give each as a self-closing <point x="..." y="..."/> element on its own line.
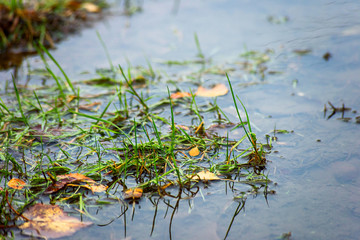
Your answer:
<point x="23" y="22"/>
<point x="127" y="141"/>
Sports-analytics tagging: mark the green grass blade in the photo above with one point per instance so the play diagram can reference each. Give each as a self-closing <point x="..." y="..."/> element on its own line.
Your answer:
<point x="133" y="90"/>
<point x="60" y="68"/>
<point x="106" y="51"/>
<point x="19" y="102"/>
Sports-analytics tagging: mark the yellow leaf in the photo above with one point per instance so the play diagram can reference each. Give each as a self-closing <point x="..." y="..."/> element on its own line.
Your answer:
<point x="218" y="90"/>
<point x="206" y="175"/>
<point x="16" y="183"/>
<point x="133" y="193"/>
<point x="194" y="152"/>
<point x="90" y="7"/>
<point x="180" y="95"/>
<point x="48" y="221"/>
<point x="95" y="187"/>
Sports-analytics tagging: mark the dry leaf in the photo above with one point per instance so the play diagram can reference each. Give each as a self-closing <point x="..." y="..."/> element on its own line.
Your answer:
<point x="63" y="180"/>
<point x="96" y="187"/>
<point x="91" y="7"/>
<point x="206" y="175"/>
<point x="48" y="221"/>
<point x="180" y="95"/>
<point x="89" y="106"/>
<point x="182" y="127"/>
<point x="133" y="193"/>
<point x="218" y="90"/>
<point x="16" y="183"/>
<point x="194" y="152"/>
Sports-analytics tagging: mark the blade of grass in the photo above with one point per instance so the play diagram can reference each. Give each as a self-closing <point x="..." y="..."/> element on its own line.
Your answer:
<point x="60" y="68"/>
<point x="173" y="139"/>
<point x="200" y="53"/>
<point x="251" y="136"/>
<point x="106" y="51"/>
<point x="107" y="106"/>
<point x="19" y="102"/>
<point x="2" y="104"/>
<point x="57" y="82"/>
<point x="101" y="120"/>
<point x="133" y="90"/>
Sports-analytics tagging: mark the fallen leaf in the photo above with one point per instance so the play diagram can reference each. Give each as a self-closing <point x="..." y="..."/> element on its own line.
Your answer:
<point x="133" y="193"/>
<point x="89" y="106"/>
<point x="16" y="183"/>
<point x="63" y="180"/>
<point x="91" y="7"/>
<point x="182" y="127"/>
<point x="206" y="175"/>
<point x="194" y="152"/>
<point x="218" y="90"/>
<point x="180" y="95"/>
<point x="48" y="221"/>
<point x="96" y="187"/>
<point x="302" y="51"/>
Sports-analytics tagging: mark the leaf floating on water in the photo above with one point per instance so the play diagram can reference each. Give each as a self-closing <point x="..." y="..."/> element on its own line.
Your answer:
<point x="91" y="7"/>
<point x="218" y="90"/>
<point x="48" y="221"/>
<point x="194" y="152"/>
<point x="179" y="95"/>
<point x="206" y="176"/>
<point x="133" y="193"/>
<point x="182" y="127"/>
<point x="16" y="183"/>
<point x="302" y="51"/>
<point x="63" y="180"/>
<point x="96" y="187"/>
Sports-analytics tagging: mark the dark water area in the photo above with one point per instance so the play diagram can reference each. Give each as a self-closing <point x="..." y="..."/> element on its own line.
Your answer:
<point x="315" y="166"/>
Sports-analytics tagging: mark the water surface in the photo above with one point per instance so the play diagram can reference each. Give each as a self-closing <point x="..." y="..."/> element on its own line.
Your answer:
<point x="315" y="167"/>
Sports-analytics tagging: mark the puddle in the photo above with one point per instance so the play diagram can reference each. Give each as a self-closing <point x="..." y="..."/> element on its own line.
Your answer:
<point x="315" y="166"/>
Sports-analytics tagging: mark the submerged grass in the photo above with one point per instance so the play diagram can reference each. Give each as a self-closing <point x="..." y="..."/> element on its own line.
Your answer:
<point x="141" y="141"/>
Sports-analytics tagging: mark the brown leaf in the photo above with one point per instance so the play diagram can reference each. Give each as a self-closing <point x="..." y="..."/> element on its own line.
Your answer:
<point x="63" y="180"/>
<point x="50" y="221"/>
<point x="133" y="193"/>
<point x="96" y="187"/>
<point x="206" y="175"/>
<point x="194" y="152"/>
<point x="218" y="90"/>
<point x="180" y="95"/>
<point x="89" y="106"/>
<point x="302" y="51"/>
<point x="16" y="183"/>
<point x="73" y="5"/>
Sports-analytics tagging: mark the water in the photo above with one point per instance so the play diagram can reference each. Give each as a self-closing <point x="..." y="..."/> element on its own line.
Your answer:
<point x="315" y="167"/>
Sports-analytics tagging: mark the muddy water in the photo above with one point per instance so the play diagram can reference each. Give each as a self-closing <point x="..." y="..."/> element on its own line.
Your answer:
<point x="316" y="167"/>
